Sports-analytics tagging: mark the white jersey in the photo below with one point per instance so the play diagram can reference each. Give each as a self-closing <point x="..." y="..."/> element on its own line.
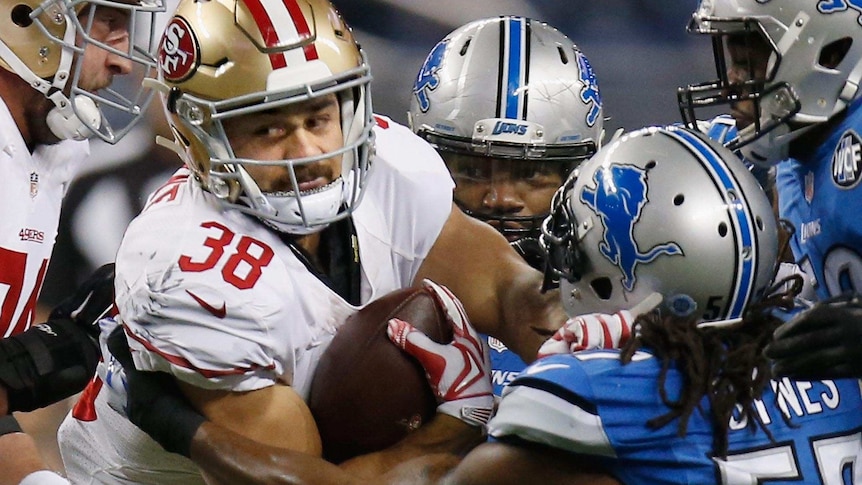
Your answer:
<point x="219" y="300"/>
<point x="31" y="191"/>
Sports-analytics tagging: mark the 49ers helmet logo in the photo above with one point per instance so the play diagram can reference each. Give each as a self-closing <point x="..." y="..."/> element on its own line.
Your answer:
<point x="179" y="51"/>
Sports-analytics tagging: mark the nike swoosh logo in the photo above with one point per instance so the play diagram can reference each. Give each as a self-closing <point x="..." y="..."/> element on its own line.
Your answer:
<point x="217" y="312"/>
<point x="536" y="368"/>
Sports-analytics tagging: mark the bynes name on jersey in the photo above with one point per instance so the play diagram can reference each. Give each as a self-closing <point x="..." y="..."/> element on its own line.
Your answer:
<point x="795" y="398"/>
<point x="503" y="377"/>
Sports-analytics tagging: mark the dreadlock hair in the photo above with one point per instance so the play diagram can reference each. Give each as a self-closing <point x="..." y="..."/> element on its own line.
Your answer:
<point x="725" y="364"/>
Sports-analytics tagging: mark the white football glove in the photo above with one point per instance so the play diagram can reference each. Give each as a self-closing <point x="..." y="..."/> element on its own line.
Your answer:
<point x="460" y="371"/>
<point x="596" y="330"/>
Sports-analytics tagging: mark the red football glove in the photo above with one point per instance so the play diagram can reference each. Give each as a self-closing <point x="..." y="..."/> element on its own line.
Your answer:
<point x="596" y="330"/>
<point x="459" y="372"/>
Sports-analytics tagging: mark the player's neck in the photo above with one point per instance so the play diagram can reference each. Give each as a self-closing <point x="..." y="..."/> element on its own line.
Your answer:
<point x="22" y="101"/>
<point x="11" y="89"/>
<point x="807" y="144"/>
<point x="310" y="244"/>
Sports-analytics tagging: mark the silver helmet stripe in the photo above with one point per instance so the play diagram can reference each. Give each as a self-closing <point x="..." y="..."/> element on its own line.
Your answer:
<point x="741" y="218"/>
<point x="514" y="68"/>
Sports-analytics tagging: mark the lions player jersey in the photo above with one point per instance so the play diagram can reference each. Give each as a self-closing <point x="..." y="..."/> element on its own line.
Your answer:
<point x="505" y="364"/>
<point x="820" y="196"/>
<point x="31" y="192"/>
<point x="591" y="404"/>
<point x="218" y="299"/>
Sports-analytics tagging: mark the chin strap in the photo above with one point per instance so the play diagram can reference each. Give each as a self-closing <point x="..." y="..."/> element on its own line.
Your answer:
<point x="73" y="123"/>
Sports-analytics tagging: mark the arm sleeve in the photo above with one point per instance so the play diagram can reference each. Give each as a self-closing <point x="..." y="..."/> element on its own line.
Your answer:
<point x="233" y="350"/>
<point x="193" y="324"/>
<point x="413" y="188"/>
<point x="550" y="404"/>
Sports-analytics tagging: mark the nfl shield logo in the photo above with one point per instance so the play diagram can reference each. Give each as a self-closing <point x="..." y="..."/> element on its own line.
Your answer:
<point x="34" y="184"/>
<point x="496" y="344"/>
<point x="809" y="187"/>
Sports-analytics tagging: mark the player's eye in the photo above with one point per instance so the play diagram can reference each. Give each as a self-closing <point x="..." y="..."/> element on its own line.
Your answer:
<point x="539" y="174"/>
<point x="269" y="131"/>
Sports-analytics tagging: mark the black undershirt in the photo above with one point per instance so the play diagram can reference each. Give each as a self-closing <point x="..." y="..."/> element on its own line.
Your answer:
<point x="337" y="261"/>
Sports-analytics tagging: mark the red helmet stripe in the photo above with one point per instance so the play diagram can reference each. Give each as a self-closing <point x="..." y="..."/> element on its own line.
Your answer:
<point x="301" y="28"/>
<point x="267" y="31"/>
<point x="274" y="34"/>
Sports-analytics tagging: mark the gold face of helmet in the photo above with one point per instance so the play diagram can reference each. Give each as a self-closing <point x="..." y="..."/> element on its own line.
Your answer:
<point x="23" y="37"/>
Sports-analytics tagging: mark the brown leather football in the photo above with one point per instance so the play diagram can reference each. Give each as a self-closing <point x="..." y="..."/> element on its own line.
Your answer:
<point x="367" y="394"/>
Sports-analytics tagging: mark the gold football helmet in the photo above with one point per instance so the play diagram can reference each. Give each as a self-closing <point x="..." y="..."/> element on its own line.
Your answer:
<point x="227" y="58"/>
<point x="39" y="42"/>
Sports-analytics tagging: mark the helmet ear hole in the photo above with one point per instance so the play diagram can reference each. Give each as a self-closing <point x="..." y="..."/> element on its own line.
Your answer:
<point x="833" y="53"/>
<point x="722" y="229"/>
<point x="466" y="46"/>
<point x="563" y="57"/>
<point x="21" y="15"/>
<point x="602" y="287"/>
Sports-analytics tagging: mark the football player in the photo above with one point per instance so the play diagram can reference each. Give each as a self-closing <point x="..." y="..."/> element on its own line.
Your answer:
<point x="790" y="72"/>
<point x="296" y="207"/>
<point x="512" y="106"/>
<point x="690" y="398"/>
<point x="58" y="63"/>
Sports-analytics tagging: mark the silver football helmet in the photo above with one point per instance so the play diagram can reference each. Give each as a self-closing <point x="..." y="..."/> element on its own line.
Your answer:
<point x="662" y="210"/>
<point x="43" y="42"/>
<point x="813" y="70"/>
<point x="511" y="90"/>
<point x="228" y="58"/>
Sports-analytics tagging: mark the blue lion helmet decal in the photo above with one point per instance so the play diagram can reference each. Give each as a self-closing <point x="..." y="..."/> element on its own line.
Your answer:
<point x="427" y="79"/>
<point x="590" y="94"/>
<point x="830" y="6"/>
<point x="618" y="199"/>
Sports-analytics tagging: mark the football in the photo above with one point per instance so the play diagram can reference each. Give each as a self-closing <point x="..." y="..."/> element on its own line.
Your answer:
<point x="368" y="394"/>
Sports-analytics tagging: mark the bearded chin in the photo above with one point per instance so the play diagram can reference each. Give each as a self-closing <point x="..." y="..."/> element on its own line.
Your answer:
<point x="37" y="124"/>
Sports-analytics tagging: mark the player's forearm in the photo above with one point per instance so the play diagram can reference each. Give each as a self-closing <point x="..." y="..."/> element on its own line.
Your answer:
<point x="19" y="457"/>
<point x="427" y="453"/>
<point x="529" y="316"/>
<point x="226" y="458"/>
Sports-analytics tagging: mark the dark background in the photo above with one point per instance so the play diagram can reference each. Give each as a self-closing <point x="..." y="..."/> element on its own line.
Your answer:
<point x="639" y="49"/>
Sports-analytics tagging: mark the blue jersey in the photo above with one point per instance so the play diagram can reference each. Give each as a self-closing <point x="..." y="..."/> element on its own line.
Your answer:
<point x="722" y="129"/>
<point x="590" y="404"/>
<point x="505" y="365"/>
<point x="821" y="197"/>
